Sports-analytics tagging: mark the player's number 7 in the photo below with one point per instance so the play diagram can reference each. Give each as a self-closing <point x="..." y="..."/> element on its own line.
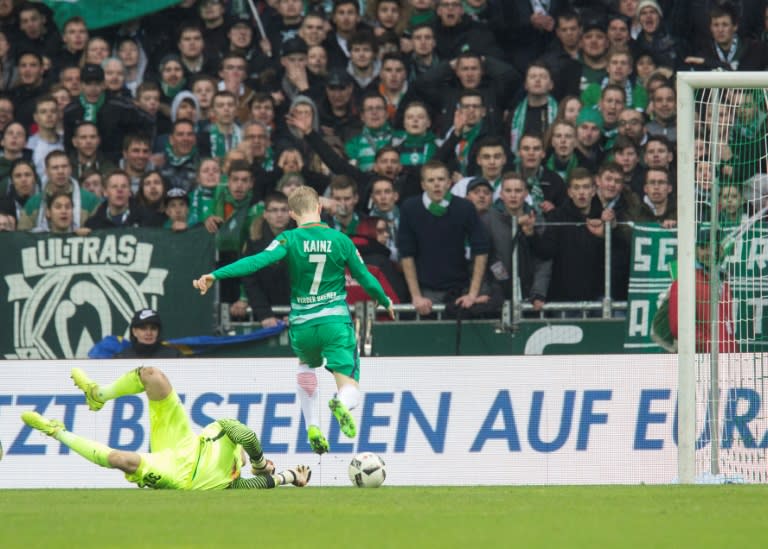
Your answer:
<point x="320" y="260"/>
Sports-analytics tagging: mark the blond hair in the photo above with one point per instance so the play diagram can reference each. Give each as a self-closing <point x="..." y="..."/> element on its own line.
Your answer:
<point x="303" y="200"/>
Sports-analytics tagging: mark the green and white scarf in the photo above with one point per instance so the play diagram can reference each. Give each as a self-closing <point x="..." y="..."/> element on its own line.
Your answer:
<point x="437" y="208"/>
<point x="466" y="140"/>
<point x="91" y="110"/>
<point x="415" y="150"/>
<point x="221" y="144"/>
<point x="175" y="160"/>
<point x="518" y="120"/>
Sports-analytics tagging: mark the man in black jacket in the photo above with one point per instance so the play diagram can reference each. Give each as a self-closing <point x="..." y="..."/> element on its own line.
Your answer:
<point x="269" y="286"/>
<point x="456" y="32"/>
<point x="145" y="338"/>
<point x="115" y="116"/>
<point x="575" y="243"/>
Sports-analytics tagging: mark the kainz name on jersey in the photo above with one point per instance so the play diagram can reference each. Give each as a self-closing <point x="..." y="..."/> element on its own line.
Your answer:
<point x="323" y="246"/>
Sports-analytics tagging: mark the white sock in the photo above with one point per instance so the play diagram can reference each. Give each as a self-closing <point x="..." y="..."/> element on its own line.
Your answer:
<point x="349" y="395"/>
<point x="306" y="388"/>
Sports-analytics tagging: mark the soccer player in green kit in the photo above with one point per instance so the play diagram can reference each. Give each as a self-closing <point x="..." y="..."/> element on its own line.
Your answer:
<point x="179" y="459"/>
<point x="321" y="331"/>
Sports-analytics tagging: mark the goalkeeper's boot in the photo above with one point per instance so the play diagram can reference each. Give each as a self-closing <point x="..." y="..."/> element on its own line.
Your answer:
<point x="317" y="440"/>
<point x="47" y="426"/>
<point x="342" y="415"/>
<point x="87" y="386"/>
<point x="301" y="475"/>
<point x="267" y="469"/>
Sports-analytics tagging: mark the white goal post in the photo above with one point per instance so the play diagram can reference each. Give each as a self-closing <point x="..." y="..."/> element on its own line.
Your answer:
<point x="719" y="116"/>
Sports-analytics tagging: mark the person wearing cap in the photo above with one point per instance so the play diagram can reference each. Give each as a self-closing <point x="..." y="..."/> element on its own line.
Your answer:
<point x="145" y="337"/>
<point x="593" y="49"/>
<point x="653" y="39"/>
<point x="480" y="193"/>
<point x="589" y="135"/>
<point x="338" y="113"/>
<point x="177" y="210"/>
<point x="297" y="80"/>
<point x="120" y="209"/>
<point x="115" y="116"/>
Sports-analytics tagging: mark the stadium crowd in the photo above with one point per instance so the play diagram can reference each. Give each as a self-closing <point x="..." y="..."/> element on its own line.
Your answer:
<point x="428" y="126"/>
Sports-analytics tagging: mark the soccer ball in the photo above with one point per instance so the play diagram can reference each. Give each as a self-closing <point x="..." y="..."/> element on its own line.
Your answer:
<point x="367" y="470"/>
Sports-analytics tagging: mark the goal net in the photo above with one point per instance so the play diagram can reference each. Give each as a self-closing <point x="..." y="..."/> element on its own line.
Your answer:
<point x="723" y="276"/>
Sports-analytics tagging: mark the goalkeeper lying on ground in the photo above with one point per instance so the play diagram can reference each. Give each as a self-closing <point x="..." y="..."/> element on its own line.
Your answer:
<point x="179" y="459"/>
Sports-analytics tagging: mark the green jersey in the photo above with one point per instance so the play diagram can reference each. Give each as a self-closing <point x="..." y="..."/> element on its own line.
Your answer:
<point x="316" y="256"/>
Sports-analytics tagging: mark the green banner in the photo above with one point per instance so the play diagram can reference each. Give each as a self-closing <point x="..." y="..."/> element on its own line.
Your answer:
<point x="101" y="13"/>
<point x="61" y="294"/>
<point x="653" y="248"/>
<point x="745" y="263"/>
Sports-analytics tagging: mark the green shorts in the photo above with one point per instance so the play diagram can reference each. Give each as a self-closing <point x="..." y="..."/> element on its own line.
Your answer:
<point x="173" y="446"/>
<point x="331" y="345"/>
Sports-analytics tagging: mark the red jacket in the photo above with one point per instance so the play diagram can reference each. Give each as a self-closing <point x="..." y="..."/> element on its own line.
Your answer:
<point x="356" y="293"/>
<point x="726" y="331"/>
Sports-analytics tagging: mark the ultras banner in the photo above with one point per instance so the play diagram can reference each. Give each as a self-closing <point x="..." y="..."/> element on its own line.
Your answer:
<point x="61" y="294"/>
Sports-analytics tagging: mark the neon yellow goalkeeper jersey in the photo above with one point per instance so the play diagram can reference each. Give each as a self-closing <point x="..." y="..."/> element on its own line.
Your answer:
<point x="316" y="256"/>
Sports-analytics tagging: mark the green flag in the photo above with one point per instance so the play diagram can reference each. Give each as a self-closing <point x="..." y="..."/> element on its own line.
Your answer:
<point x="653" y="249"/>
<point x="98" y="13"/>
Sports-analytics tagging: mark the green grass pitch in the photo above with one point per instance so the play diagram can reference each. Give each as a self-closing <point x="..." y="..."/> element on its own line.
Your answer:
<point x="402" y="517"/>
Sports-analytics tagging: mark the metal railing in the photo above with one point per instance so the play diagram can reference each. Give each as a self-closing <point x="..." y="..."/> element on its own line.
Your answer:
<point x="512" y="312"/>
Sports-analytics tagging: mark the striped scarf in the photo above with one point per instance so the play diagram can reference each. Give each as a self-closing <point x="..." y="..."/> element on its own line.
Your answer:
<point x="518" y="120"/>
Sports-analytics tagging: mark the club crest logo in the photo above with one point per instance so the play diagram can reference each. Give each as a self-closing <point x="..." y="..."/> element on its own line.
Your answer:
<point x="74" y="291"/>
